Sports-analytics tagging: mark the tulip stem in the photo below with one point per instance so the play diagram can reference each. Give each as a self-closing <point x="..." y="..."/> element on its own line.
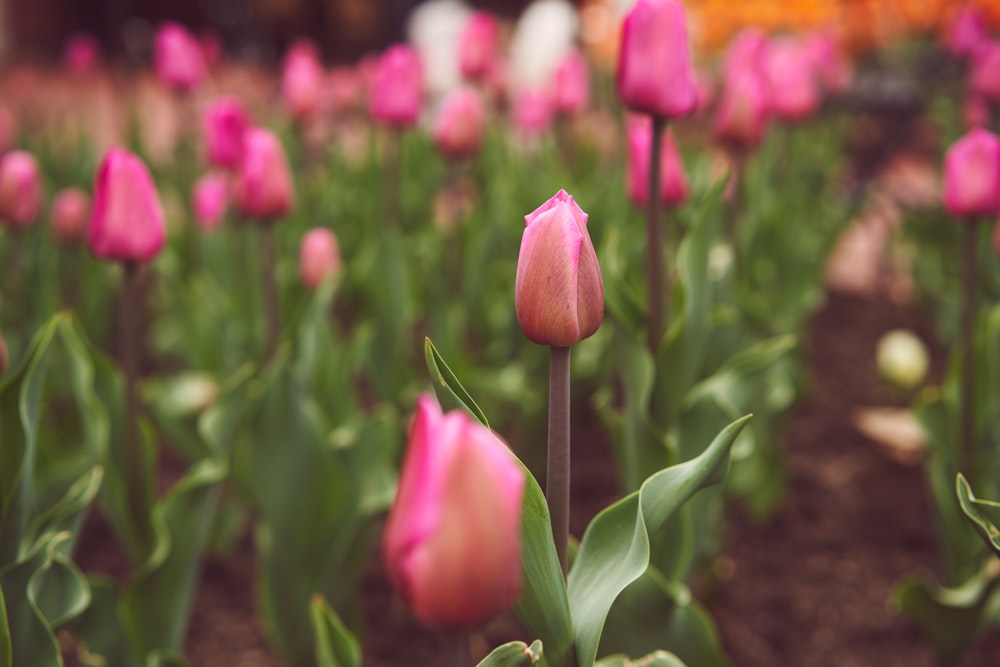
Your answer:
<point x="967" y="459"/>
<point x="557" y="471"/>
<point x="130" y="366"/>
<point x="657" y="292"/>
<point x="269" y="285"/>
<point x="457" y="645"/>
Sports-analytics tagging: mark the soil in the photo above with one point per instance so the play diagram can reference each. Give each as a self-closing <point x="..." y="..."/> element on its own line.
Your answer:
<point x="810" y="585"/>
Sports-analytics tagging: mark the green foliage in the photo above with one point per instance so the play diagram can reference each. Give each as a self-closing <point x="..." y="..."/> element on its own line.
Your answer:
<point x="514" y="654"/>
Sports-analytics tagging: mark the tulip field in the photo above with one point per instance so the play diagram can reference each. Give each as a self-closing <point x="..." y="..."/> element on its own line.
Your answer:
<point x="610" y="333"/>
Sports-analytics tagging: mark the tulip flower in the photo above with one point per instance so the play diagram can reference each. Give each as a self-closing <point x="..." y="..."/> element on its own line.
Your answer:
<point x="452" y="541"/>
<point x="460" y="124"/>
<point x="264" y="188"/>
<point x="742" y="115"/>
<point x="533" y="112"/>
<point x="223" y="125"/>
<point x="178" y="57"/>
<point x="984" y="78"/>
<point x="70" y="215"/>
<point x="972" y="176"/>
<point x="302" y="81"/>
<point x="558" y="293"/>
<point x="20" y="189"/>
<point x="966" y="32"/>
<point x="81" y="53"/>
<point x="319" y="257"/>
<point x="654" y="73"/>
<point x="345" y="86"/>
<point x="789" y="76"/>
<point x="209" y="200"/>
<point x="127" y="222"/>
<point x="397" y="87"/>
<point x="572" y="84"/>
<point x="975" y="111"/>
<point x="478" y="45"/>
<point x="746" y="50"/>
<point x="829" y="63"/>
<point x="673" y="180"/>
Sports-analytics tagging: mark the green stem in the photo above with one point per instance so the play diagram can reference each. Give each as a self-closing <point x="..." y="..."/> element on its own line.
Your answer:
<point x="394" y="176"/>
<point x="130" y="366"/>
<point x="657" y="292"/>
<point x="557" y="475"/>
<point x="967" y="457"/>
<point x="269" y="285"/>
<point x="457" y="647"/>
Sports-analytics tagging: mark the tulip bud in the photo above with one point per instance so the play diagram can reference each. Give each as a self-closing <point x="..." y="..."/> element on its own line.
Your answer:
<point x="397" y="87"/>
<point x="572" y="84"/>
<point x="975" y="111"/>
<point x="741" y="118"/>
<point x="558" y="292"/>
<point x="533" y="112"/>
<point x="345" y="86"/>
<point x="319" y="257"/>
<point x="966" y="32"/>
<point x="20" y="189"/>
<point x="302" y="81"/>
<point x="788" y="72"/>
<point x="902" y="359"/>
<point x="178" y="57"/>
<point x="829" y="62"/>
<point x="972" y="175"/>
<point x="460" y="124"/>
<point x="673" y="180"/>
<point x="984" y="79"/>
<point x="81" y="53"/>
<point x="264" y="188"/>
<point x="70" y="215"/>
<point x="477" y="46"/>
<point x="223" y="126"/>
<point x="127" y="222"/>
<point x="209" y="200"/>
<point x="452" y="541"/>
<point x="654" y="73"/>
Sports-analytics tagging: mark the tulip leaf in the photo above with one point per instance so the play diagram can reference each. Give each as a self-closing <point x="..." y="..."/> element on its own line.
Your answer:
<point x="100" y="634"/>
<point x="5" y="648"/>
<point x="513" y="654"/>
<point x="336" y="646"/>
<point x="615" y="548"/>
<point x="443" y="377"/>
<point x="983" y="514"/>
<point x="656" y="659"/>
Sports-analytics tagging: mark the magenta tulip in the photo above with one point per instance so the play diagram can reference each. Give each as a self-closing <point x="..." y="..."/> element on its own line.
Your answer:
<point x="319" y="257"/>
<point x="478" y="45"/>
<point x="178" y="57"/>
<point x="966" y="32"/>
<point x="70" y="215"/>
<point x="790" y="79"/>
<point x="20" y="189"/>
<point x="654" y="73"/>
<point x="397" y="87"/>
<point x="223" y="125"/>
<point x="209" y="200"/>
<point x="572" y="80"/>
<point x="452" y="541"/>
<point x="673" y="179"/>
<point x="558" y="291"/>
<point x="264" y="186"/>
<point x="127" y="222"/>
<point x="533" y="112"/>
<point x="984" y="78"/>
<point x="81" y="53"/>
<point x="460" y="124"/>
<point x="302" y="83"/>
<point x="972" y="176"/>
<point x="742" y="116"/>
<point x="830" y="64"/>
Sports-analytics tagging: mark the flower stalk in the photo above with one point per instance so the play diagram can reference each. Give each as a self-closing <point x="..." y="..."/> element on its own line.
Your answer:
<point x="557" y="477"/>
<point x="967" y="455"/>
<point x="658" y="292"/>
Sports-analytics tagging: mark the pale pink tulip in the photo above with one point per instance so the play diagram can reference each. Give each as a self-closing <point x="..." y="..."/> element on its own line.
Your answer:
<point x="319" y="257"/>
<point x="460" y="124"/>
<point x="70" y="215"/>
<point x="20" y="189"/>
<point x="478" y="45"/>
<point x="572" y="84"/>
<point x="210" y="199"/>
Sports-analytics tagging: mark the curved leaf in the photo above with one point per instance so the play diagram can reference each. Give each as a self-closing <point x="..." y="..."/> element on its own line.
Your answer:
<point x="513" y="654"/>
<point x="5" y="653"/>
<point x="983" y="514"/>
<point x="614" y="551"/>
<point x="657" y="659"/>
<point x="336" y="646"/>
<point x="444" y="378"/>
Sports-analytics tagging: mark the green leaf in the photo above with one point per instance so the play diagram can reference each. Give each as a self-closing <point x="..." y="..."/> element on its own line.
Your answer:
<point x="615" y="549"/>
<point x="5" y="651"/>
<point x="513" y="654"/>
<point x="156" y="606"/>
<point x="336" y="646"/>
<point x="983" y="514"/>
<point x="102" y="640"/>
<point x="656" y="659"/>
<point x="444" y="378"/>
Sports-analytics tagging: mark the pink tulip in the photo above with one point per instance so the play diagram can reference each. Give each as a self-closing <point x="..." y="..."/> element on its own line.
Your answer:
<point x="975" y="111"/>
<point x="972" y="175"/>
<point x="654" y="73"/>
<point x="81" y="53"/>
<point x="478" y="45"/>
<point x="210" y="199"/>
<point x="319" y="257"/>
<point x="558" y="291"/>
<point x="788" y="72"/>
<point x="178" y="57"/>
<point x="397" y="87"/>
<point x="345" y="87"/>
<point x="302" y="83"/>
<point x="984" y="79"/>
<point x="460" y="124"/>
<point x="211" y="47"/>
<point x="20" y="189"/>
<point x="452" y="541"/>
<point x="742" y="115"/>
<point x="264" y="187"/>
<point x="223" y="125"/>
<point x="572" y="84"/>
<point x="126" y="222"/>
<point x="966" y="32"/>
<point x="674" y="188"/>
<point x="829" y="62"/>
<point x="533" y="112"/>
<point x="745" y="51"/>
<point x="70" y="215"/>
